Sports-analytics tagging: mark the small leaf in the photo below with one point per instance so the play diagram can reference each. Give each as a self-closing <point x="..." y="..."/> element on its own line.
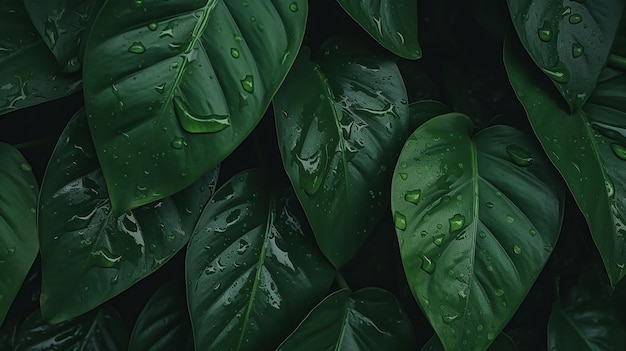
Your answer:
<point x="28" y="73"/>
<point x="369" y="319"/>
<point x="252" y="271"/>
<point x="393" y="23"/>
<point x="101" y="330"/>
<point x="477" y="217"/>
<point x="340" y="125"/>
<point x="172" y="88"/>
<point x="164" y="322"/>
<point x="587" y="146"/>
<point x="18" y="224"/>
<point x="89" y="254"/>
<point x="570" y="40"/>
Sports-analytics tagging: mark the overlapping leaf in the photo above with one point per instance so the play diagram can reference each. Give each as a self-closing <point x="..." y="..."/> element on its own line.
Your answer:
<point x="477" y="217"/>
<point x="340" y="124"/>
<point x="18" y="224"/>
<point x="252" y="269"/>
<point x="88" y="253"/>
<point x="28" y="73"/>
<point x="569" y="40"/>
<point x="172" y="88"/>
<point x="587" y="146"/>
<point x="369" y="319"/>
<point x="502" y="343"/>
<point x="393" y="23"/>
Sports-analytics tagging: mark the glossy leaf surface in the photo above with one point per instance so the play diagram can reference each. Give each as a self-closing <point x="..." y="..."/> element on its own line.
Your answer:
<point x="340" y="124"/>
<point x="172" y="88"/>
<point x="101" y="330"/>
<point x="89" y="254"/>
<point x="569" y="40"/>
<point x="28" y="73"/>
<point x="369" y="319"/>
<point x="502" y="343"/>
<point x="18" y="224"/>
<point x="588" y="147"/>
<point x="253" y="270"/>
<point x="477" y="217"/>
<point x="163" y="324"/>
<point x="393" y="23"/>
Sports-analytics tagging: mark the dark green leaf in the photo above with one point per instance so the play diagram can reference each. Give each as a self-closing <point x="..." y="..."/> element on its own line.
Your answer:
<point x="587" y="146"/>
<point x="393" y="23"/>
<point x="101" y="330"/>
<point x="18" y="224"/>
<point x="477" y="218"/>
<point x="62" y="25"/>
<point x="252" y="273"/>
<point x="369" y="319"/>
<point x="164" y="322"/>
<point x="171" y="89"/>
<point x="89" y="254"/>
<point x="570" y="40"/>
<point x="502" y="343"/>
<point x="28" y="73"/>
<point x="340" y="124"/>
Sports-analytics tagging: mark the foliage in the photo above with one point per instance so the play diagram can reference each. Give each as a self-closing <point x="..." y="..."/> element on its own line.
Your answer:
<point x="293" y="175"/>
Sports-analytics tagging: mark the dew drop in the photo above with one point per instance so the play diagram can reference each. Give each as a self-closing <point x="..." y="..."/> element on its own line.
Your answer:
<point x="532" y="232"/>
<point x="510" y="219"/>
<point x="438" y="239"/>
<point x="178" y="143"/>
<point x="104" y="259"/>
<point x="610" y="189"/>
<point x="248" y="84"/>
<point x="456" y="223"/>
<point x="428" y="265"/>
<point x="293" y="7"/>
<point x="449" y="318"/>
<point x="577" y="50"/>
<point x="558" y="73"/>
<point x="619" y="151"/>
<point x="545" y="32"/>
<point x="517" y="250"/>
<point x="403" y="175"/>
<point x="234" y="53"/>
<point x="160" y="88"/>
<point x="491" y="336"/>
<point x="153" y="26"/>
<point x="489" y="204"/>
<point x="25" y="167"/>
<point x="482" y="235"/>
<point x="519" y="156"/>
<point x="499" y="292"/>
<point x="575" y="19"/>
<point x="399" y="220"/>
<point x="312" y="170"/>
<point x="413" y="196"/>
<point x="195" y="123"/>
<point x="137" y="48"/>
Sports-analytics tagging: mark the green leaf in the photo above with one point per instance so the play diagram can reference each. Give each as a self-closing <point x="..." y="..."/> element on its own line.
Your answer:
<point x="340" y="125"/>
<point x="89" y="254"/>
<point x="62" y="25"/>
<point x="570" y="42"/>
<point x="101" y="330"/>
<point x="164" y="322"/>
<point x="252" y="273"/>
<point x="588" y="147"/>
<point x="477" y="217"/>
<point x="171" y="89"/>
<point x="393" y="23"/>
<point x="369" y="319"/>
<point x="28" y="73"/>
<point x="18" y="224"/>
<point x="502" y="343"/>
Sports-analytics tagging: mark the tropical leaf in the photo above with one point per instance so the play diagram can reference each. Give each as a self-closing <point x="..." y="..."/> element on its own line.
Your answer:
<point x="369" y="319"/>
<point x="587" y="146"/>
<point x="340" y="125"/>
<point x="88" y="253"/>
<point x="502" y="343"/>
<point x="18" y="224"/>
<point x="477" y="217"/>
<point x="252" y="272"/>
<point x="172" y="88"/>
<point x="569" y="40"/>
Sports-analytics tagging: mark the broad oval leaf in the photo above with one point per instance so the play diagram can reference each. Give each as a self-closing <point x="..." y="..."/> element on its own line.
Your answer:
<point x="477" y="217"/>
<point x="393" y="23"/>
<point x="172" y="88"/>
<point x="341" y="123"/>
<point x="163" y="324"/>
<point x="18" y="224"/>
<point x="88" y="253"/>
<point x="101" y="330"/>
<point x="369" y="319"/>
<point x="28" y="73"/>
<point x="588" y="147"/>
<point x="502" y="343"/>
<point x="252" y="273"/>
<point x="569" y="40"/>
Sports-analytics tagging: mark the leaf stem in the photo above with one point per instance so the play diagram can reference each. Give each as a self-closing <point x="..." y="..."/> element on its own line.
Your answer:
<point x="341" y="281"/>
<point x="34" y="143"/>
<point x="618" y="62"/>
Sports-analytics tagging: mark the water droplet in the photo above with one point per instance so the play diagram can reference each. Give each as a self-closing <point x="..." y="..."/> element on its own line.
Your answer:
<point x="10" y="251"/>
<point x="178" y="143"/>
<point x="195" y="123"/>
<point x="519" y="156"/>
<point x="499" y="292"/>
<point x="510" y="219"/>
<point x="244" y="4"/>
<point x="428" y="265"/>
<point x="438" y="239"/>
<point x="449" y="318"/>
<point x="104" y="259"/>
<point x="234" y="52"/>
<point x="413" y="196"/>
<point x="517" y="250"/>
<point x="489" y="204"/>
<point x="577" y="50"/>
<point x="545" y="32"/>
<point x="293" y="7"/>
<point x="399" y="220"/>
<point x="558" y="73"/>
<point x="619" y="151"/>
<point x="243" y="247"/>
<point x="482" y="235"/>
<point x="248" y="84"/>
<point x="456" y="223"/>
<point x="491" y="336"/>
<point x="153" y="26"/>
<point x="575" y="19"/>
<point x="403" y="175"/>
<point x="532" y="232"/>
<point x="137" y="48"/>
<point x="479" y="327"/>
<point x="610" y="189"/>
<point x="160" y="88"/>
<point x="312" y="170"/>
<point x="25" y="167"/>
<point x="115" y="279"/>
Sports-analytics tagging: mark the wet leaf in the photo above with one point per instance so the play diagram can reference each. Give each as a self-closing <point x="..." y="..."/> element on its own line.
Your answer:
<point x="88" y="253"/>
<point x="252" y="269"/>
<point x="477" y="217"/>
